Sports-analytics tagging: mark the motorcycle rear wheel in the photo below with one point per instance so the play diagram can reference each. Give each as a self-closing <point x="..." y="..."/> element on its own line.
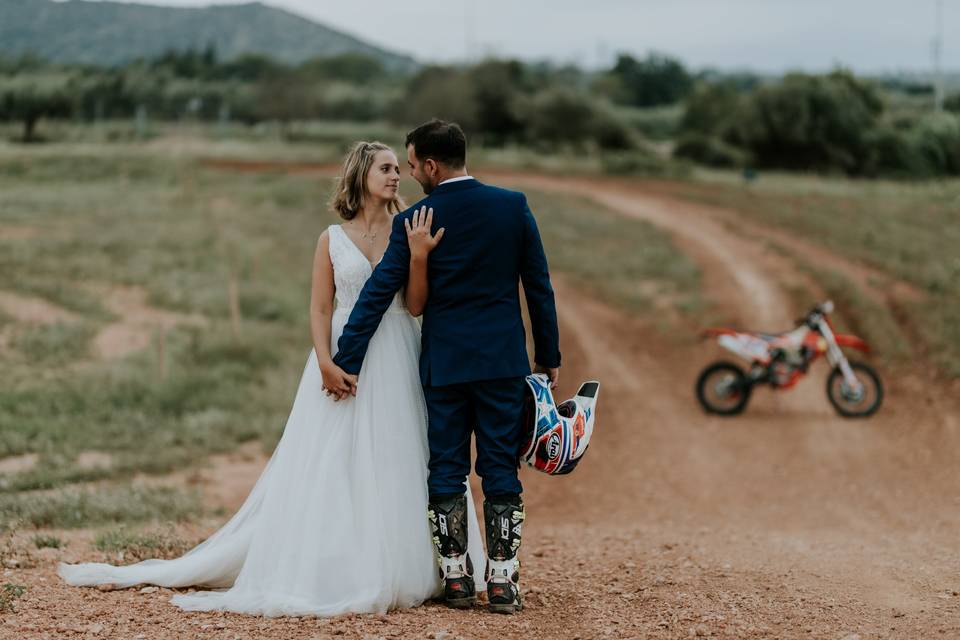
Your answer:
<point x="723" y="389"/>
<point x="850" y="405"/>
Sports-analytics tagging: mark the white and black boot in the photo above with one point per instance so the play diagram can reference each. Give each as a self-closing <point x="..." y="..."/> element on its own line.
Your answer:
<point x="448" y="520"/>
<point x="503" y="520"/>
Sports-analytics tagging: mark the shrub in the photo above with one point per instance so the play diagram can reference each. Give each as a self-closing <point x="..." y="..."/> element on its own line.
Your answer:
<point x="710" y="151"/>
<point x="8" y="596"/>
<point x="565" y="117"/>
<point x="891" y="153"/>
<point x="952" y="103"/>
<point x="811" y="122"/>
<point x="47" y="542"/>
<point x="713" y="110"/>
<point x="126" y="546"/>
<point x="937" y="139"/>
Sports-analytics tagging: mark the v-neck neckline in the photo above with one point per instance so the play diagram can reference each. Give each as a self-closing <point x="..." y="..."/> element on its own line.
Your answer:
<point x="359" y="250"/>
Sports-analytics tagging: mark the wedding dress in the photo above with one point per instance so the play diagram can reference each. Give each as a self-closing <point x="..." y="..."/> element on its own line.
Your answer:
<point x="337" y="521"/>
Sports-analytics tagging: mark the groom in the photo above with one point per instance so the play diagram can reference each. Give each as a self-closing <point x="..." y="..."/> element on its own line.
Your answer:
<point x="473" y="359"/>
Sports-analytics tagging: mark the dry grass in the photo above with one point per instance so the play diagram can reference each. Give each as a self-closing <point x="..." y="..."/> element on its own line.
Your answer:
<point x="123" y="546"/>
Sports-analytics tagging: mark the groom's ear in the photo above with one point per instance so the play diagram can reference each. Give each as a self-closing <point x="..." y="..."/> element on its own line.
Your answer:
<point x="430" y="167"/>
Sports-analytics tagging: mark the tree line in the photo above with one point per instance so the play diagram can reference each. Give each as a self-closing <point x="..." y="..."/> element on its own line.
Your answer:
<point x="835" y="122"/>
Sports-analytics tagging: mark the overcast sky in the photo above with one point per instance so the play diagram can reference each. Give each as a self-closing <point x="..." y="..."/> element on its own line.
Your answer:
<point x="765" y="35"/>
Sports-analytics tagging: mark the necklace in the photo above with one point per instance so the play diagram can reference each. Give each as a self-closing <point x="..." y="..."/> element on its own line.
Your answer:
<point x="369" y="236"/>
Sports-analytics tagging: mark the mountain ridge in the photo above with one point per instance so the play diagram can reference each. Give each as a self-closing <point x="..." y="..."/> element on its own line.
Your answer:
<point x="111" y="33"/>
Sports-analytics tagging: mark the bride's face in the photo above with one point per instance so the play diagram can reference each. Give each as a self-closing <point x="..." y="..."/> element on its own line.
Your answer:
<point x="383" y="179"/>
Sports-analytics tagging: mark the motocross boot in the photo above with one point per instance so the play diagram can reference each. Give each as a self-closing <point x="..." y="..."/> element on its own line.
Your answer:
<point x="448" y="521"/>
<point x="503" y="520"/>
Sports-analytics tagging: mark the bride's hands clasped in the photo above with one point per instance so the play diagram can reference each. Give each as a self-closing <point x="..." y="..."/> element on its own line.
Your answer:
<point x="418" y="232"/>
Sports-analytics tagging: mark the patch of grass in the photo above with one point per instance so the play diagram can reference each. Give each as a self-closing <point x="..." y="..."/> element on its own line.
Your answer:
<point x="61" y="342"/>
<point x="62" y="293"/>
<point x="860" y="314"/>
<point x="9" y="593"/>
<point x="127" y="546"/>
<point x="628" y="262"/>
<point x="182" y="233"/>
<point x="47" y="542"/>
<point x="636" y="162"/>
<point x="856" y="312"/>
<point x="211" y="399"/>
<point x="46" y="476"/>
<point x="939" y="320"/>
<point x="70" y="509"/>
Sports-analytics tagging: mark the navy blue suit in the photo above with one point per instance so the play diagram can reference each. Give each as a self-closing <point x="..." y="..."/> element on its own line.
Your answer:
<point x="473" y="358"/>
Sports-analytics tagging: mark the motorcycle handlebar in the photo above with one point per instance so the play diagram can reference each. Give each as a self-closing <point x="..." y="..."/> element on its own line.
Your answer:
<point x="825" y="308"/>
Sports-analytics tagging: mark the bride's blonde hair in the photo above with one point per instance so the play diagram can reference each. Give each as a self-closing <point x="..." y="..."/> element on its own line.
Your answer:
<point x="352" y="183"/>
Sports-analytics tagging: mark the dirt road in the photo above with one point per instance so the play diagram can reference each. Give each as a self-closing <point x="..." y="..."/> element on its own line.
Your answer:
<point x="787" y="522"/>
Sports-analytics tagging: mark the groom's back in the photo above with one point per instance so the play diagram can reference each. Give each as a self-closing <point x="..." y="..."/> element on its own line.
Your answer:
<point x="473" y="328"/>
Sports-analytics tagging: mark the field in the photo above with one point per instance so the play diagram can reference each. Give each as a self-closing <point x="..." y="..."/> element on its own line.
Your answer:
<point x="153" y="328"/>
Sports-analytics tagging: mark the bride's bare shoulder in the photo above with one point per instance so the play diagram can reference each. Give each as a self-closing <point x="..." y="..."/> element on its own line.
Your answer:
<point x="323" y="242"/>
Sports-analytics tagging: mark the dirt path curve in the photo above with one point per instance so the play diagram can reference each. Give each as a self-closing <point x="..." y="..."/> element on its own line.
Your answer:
<point x="735" y="266"/>
<point x="784" y="523"/>
<point x="743" y="278"/>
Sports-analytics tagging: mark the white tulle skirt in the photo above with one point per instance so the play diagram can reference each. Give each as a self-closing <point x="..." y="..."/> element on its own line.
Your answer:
<point x="337" y="521"/>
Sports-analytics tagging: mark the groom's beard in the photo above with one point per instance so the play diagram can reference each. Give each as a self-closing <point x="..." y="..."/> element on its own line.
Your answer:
<point x="427" y="186"/>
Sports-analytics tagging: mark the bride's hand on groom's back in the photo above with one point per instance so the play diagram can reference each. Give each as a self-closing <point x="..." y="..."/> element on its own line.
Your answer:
<point x="418" y="233"/>
<point x="337" y="382"/>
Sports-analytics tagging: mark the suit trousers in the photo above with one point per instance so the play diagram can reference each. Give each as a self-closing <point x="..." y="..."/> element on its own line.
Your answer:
<point x="493" y="410"/>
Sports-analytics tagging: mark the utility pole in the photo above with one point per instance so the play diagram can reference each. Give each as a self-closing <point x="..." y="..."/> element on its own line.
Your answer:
<point x="937" y="60"/>
<point x="469" y="28"/>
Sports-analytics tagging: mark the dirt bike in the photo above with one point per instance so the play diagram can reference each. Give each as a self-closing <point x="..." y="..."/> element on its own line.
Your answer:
<point x="781" y="360"/>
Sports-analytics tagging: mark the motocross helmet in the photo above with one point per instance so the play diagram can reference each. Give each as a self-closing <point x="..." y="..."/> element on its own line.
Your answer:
<point x="556" y="436"/>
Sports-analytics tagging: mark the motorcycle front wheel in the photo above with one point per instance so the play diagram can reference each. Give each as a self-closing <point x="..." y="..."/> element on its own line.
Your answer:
<point x="853" y="403"/>
<point x="723" y="389"/>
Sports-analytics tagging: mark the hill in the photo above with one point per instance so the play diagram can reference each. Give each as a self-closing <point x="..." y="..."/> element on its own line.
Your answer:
<point x="108" y="33"/>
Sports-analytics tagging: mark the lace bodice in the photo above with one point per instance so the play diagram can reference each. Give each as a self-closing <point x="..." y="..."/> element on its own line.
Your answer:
<point x="351" y="269"/>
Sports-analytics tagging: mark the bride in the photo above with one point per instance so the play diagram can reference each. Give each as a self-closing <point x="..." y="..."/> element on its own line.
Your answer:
<point x="337" y="522"/>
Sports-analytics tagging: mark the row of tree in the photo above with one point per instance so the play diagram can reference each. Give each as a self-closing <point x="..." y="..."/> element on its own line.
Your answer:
<point x="835" y="122"/>
<point x="501" y="100"/>
<point x="832" y="122"/>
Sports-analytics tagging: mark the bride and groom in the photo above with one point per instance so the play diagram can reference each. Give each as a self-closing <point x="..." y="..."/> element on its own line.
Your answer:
<point x="385" y="409"/>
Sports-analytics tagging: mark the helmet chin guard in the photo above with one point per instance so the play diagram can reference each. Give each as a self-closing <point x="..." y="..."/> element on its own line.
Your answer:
<point x="557" y="436"/>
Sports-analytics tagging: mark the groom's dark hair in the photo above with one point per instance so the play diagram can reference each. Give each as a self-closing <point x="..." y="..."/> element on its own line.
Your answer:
<point x="440" y="140"/>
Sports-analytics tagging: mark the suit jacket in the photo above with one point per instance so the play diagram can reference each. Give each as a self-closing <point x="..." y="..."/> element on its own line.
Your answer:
<point x="472" y="325"/>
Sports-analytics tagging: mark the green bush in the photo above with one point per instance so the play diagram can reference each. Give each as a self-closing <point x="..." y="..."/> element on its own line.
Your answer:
<point x="710" y="151"/>
<point x="891" y="153"/>
<point x="937" y="138"/>
<point x="565" y="117"/>
<point x="811" y="123"/>
<point x="47" y="542"/>
<point x="952" y="103"/>
<point x="713" y="110"/>
<point x="653" y="123"/>
<point x="438" y="92"/>
<point x="8" y="596"/>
